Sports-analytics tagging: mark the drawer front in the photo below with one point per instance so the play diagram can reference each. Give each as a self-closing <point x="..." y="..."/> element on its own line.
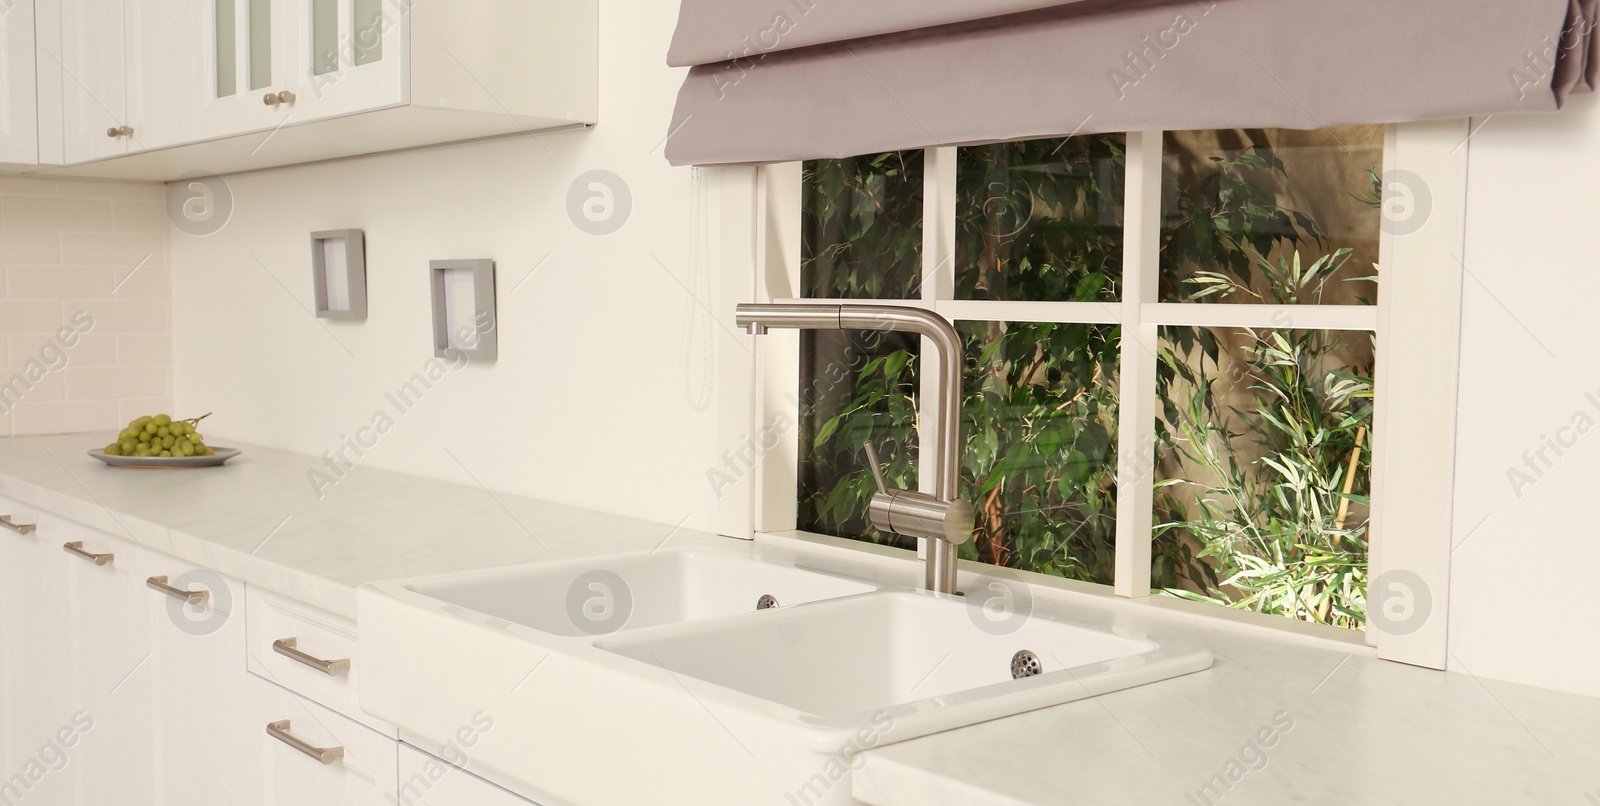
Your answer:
<point x="309" y="651"/>
<point x="306" y="755"/>
<point x="425" y="779"/>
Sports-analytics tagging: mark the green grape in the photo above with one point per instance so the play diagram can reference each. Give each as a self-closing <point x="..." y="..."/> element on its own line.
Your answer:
<point x="129" y="446"/>
<point x="161" y="420"/>
<point x="150" y="428"/>
<point x="163" y="431"/>
<point x="144" y="450"/>
<point x="168" y="440"/>
<point x="195" y="438"/>
<point x="167" y="454"/>
<point x="179" y="429"/>
<point x="143" y="421"/>
<point x="187" y="449"/>
<point x="145" y="437"/>
<point x="205" y="451"/>
<point x="113" y="449"/>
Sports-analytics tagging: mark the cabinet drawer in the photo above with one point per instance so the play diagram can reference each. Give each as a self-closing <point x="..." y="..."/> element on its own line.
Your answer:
<point x="307" y="755"/>
<point x="430" y="780"/>
<point x="309" y="651"/>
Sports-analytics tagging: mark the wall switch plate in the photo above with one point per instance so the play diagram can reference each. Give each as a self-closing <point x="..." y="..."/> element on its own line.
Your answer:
<point x="464" y="319"/>
<point x="339" y="274"/>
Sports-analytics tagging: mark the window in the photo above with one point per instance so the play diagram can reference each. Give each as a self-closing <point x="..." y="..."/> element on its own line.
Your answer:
<point x="1261" y="306"/>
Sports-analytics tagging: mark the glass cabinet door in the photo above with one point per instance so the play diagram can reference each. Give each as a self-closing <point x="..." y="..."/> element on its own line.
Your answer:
<point x="352" y="55"/>
<point x="248" y="87"/>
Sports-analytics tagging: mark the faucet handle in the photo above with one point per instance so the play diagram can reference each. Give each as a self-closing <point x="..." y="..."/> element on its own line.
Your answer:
<point x="877" y="472"/>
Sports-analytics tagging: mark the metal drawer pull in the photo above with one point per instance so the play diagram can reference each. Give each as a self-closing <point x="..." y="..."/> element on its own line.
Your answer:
<point x="192" y="597"/>
<point x="76" y="547"/>
<point x="19" y="528"/>
<point x="331" y="668"/>
<point x="327" y="755"/>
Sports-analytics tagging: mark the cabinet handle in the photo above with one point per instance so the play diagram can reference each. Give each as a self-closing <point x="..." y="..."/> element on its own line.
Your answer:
<point x="331" y="668"/>
<point x="192" y="597"/>
<point x="119" y="131"/>
<point x="19" y="528"/>
<point x="280" y="730"/>
<point x="76" y="547"/>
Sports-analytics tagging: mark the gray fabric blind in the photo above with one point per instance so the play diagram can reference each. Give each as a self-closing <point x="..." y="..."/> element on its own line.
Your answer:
<point x="859" y="82"/>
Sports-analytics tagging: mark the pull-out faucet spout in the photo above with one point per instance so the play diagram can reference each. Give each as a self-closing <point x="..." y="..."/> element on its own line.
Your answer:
<point x="942" y="519"/>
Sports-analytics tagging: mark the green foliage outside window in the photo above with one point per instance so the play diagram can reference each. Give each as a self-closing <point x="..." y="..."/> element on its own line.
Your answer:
<point x="1250" y="482"/>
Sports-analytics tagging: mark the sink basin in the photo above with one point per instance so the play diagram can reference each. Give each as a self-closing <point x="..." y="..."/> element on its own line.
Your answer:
<point x="629" y="592"/>
<point x="653" y="677"/>
<point x="839" y="662"/>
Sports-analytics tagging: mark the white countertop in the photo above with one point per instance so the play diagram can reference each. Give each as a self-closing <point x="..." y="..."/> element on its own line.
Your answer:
<point x="1363" y="731"/>
<point x="259" y="520"/>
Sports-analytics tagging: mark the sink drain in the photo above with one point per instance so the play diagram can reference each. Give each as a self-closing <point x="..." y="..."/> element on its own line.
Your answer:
<point x="766" y="602"/>
<point x="1025" y="664"/>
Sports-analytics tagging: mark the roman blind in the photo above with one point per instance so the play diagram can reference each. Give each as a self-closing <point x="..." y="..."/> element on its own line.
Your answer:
<point x="787" y="80"/>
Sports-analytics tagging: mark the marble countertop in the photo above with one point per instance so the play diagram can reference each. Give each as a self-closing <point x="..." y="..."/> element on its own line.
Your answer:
<point x="259" y="520"/>
<point x="1274" y="721"/>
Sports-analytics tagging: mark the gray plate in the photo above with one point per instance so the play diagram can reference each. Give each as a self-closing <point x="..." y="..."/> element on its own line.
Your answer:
<point x="222" y="455"/>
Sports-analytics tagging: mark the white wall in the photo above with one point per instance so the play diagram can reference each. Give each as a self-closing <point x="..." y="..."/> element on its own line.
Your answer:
<point x="91" y="257"/>
<point x="602" y="395"/>
<point x="1527" y="560"/>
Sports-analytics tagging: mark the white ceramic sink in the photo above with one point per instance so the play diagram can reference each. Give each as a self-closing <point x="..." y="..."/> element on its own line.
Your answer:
<point x="696" y="696"/>
<point x="631" y="591"/>
<point x="904" y="652"/>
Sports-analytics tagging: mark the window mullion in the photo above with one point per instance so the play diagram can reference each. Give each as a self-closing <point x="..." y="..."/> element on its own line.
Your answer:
<point x="1136" y="407"/>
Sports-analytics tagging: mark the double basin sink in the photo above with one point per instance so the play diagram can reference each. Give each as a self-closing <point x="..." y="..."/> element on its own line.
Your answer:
<point x="710" y="675"/>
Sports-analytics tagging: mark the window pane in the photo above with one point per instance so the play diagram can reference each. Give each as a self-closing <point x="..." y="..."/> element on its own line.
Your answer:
<point x="855" y="386"/>
<point x="1040" y="219"/>
<point x="861" y="239"/>
<point x="1271" y="216"/>
<point x="861" y="222"/>
<point x="1040" y="422"/>
<point x="1263" y="479"/>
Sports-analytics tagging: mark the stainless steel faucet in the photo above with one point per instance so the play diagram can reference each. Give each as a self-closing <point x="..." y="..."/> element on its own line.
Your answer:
<point x="943" y="520"/>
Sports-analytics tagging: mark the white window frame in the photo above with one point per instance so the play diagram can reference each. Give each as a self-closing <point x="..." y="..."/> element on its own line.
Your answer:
<point x="1417" y="321"/>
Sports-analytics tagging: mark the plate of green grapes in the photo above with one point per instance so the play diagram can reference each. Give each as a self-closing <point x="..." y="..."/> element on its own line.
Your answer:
<point x="160" y="441"/>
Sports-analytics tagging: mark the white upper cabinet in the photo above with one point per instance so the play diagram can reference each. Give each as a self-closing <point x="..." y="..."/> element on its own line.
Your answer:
<point x="171" y="86"/>
<point x="91" y="59"/>
<point x="19" y="125"/>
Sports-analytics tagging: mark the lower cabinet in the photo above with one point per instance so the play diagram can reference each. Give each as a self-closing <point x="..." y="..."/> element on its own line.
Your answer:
<point x="130" y="677"/>
<point x="428" y="781"/>
<point x="307" y="755"/>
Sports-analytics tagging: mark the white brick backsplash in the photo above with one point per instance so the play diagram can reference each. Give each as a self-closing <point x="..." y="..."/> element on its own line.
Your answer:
<point x="139" y="216"/>
<point x="30" y="248"/>
<point x="16" y="389"/>
<point x="32" y="316"/>
<point x="55" y="215"/>
<point x="153" y="280"/>
<point x="132" y="408"/>
<point x="91" y="349"/>
<point x="70" y="246"/>
<point x="126" y="315"/>
<point x="99" y="189"/>
<point x="90" y="383"/>
<point x="56" y="282"/>
<point x="125" y="251"/>
<point x="140" y="349"/>
<point x="65" y="416"/>
<point x="28" y="186"/>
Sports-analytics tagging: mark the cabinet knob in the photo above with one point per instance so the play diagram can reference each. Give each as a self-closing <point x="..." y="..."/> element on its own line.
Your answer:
<point x="270" y="99"/>
<point x="275" y="98"/>
<point x="286" y="97"/>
